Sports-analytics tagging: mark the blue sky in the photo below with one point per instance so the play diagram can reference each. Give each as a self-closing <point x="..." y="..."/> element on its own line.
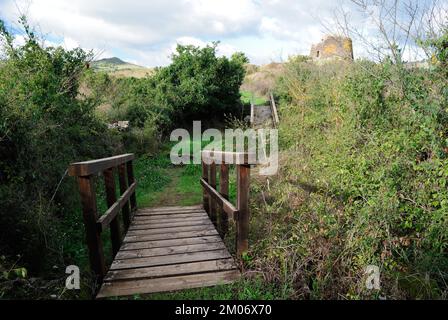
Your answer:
<point x="146" y="32"/>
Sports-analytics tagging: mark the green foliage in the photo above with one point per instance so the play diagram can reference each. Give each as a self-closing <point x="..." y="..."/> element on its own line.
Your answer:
<point x="197" y="85"/>
<point x="363" y="181"/>
<point x="44" y="126"/>
<point x="439" y="46"/>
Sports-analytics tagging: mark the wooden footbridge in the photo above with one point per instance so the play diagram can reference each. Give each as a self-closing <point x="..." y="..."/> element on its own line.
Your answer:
<point x="165" y="248"/>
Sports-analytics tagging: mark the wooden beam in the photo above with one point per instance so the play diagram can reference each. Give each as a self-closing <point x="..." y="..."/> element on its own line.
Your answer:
<point x="123" y="187"/>
<point x="93" y="237"/>
<point x="111" y="198"/>
<point x="229" y="157"/>
<point x="212" y="203"/>
<point x="242" y="234"/>
<point x="252" y="113"/>
<point x="87" y="168"/>
<point x="228" y="207"/>
<point x="274" y="110"/>
<point x="205" y="196"/>
<point x="224" y="191"/>
<point x="122" y="288"/>
<point x="131" y="180"/>
<point x="104" y="221"/>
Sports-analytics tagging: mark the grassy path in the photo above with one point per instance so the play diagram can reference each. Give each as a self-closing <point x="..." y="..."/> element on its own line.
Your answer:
<point x="182" y="190"/>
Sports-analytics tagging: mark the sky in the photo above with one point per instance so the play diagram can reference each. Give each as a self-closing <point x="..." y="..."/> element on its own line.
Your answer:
<point x="146" y="32"/>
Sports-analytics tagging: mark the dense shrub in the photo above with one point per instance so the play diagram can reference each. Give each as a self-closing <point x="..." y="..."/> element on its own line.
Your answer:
<point x="44" y="125"/>
<point x="197" y="85"/>
<point x="362" y="182"/>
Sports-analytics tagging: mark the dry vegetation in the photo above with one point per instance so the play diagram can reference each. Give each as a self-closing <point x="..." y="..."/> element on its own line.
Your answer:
<point x="260" y="80"/>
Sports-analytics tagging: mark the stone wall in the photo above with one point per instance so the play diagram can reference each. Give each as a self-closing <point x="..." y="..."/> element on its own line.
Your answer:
<point x="333" y="47"/>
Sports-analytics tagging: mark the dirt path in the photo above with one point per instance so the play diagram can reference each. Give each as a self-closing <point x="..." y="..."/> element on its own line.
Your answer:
<point x="179" y="191"/>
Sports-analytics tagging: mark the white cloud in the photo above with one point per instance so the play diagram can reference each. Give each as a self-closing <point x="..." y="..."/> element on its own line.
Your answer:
<point x="146" y="31"/>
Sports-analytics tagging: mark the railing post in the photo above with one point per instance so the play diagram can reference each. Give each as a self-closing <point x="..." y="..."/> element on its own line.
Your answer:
<point x="90" y="216"/>
<point x="111" y="197"/>
<point x="224" y="191"/>
<point x="212" y="182"/>
<point x="130" y="170"/>
<point x="123" y="188"/>
<point x="205" y="195"/>
<point x="242" y="232"/>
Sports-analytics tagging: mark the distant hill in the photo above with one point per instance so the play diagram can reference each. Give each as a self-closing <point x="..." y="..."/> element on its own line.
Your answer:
<point x="119" y="68"/>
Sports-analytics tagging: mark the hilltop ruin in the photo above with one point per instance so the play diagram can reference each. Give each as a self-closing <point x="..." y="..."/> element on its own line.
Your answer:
<point x="333" y="47"/>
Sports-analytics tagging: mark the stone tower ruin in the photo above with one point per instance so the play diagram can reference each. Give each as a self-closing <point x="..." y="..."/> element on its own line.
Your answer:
<point x="333" y="47"/>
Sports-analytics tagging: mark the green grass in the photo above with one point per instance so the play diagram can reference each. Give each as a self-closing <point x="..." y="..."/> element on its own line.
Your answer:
<point x="247" y="97"/>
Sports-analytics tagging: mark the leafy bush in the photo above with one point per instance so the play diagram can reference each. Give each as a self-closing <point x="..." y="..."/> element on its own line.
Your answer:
<point x="362" y="182"/>
<point x="44" y="125"/>
<point x="197" y="85"/>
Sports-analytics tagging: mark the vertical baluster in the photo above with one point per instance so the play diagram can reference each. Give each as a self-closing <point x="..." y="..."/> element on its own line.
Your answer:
<point x="130" y="170"/>
<point x="111" y="197"/>
<point x="212" y="202"/>
<point x="205" y="195"/>
<point x="90" y="216"/>
<point x="123" y="188"/>
<point x="242" y="236"/>
<point x="224" y="190"/>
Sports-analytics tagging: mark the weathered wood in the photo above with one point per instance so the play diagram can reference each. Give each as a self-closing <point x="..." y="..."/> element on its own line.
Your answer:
<point x="274" y="110"/>
<point x="185" y="223"/>
<point x="212" y="201"/>
<point x="166" y="212"/>
<point x="170" y="242"/>
<point x="224" y="191"/>
<point x="205" y="196"/>
<point x="172" y="209"/>
<point x="147" y="232"/>
<point x="242" y="235"/>
<point x="123" y="288"/>
<point x="141" y="253"/>
<point x="170" y="259"/>
<point x="218" y="157"/>
<point x="131" y="180"/>
<point x="111" y="198"/>
<point x="89" y="209"/>
<point x="174" y="235"/>
<point x="87" y="168"/>
<point x="170" y="270"/>
<point x="252" y="113"/>
<point x="228" y="207"/>
<point x="169" y="218"/>
<point x="169" y="254"/>
<point x="104" y="221"/>
<point x="123" y="187"/>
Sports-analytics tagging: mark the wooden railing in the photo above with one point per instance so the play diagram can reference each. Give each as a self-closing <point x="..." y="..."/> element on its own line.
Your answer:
<point x="126" y="203"/>
<point x="252" y="113"/>
<point x="275" y="118"/>
<point x="217" y="203"/>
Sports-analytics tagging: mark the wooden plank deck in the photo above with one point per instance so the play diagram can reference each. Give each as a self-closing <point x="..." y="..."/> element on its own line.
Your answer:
<point x="167" y="249"/>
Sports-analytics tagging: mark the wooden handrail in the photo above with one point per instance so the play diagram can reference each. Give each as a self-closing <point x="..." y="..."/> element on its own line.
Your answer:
<point x="86" y="168"/>
<point x="226" y="205"/>
<point x="244" y="158"/>
<point x="212" y="197"/>
<point x="252" y="113"/>
<point x="86" y="172"/>
<point x="104" y="221"/>
<point x="274" y="110"/>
